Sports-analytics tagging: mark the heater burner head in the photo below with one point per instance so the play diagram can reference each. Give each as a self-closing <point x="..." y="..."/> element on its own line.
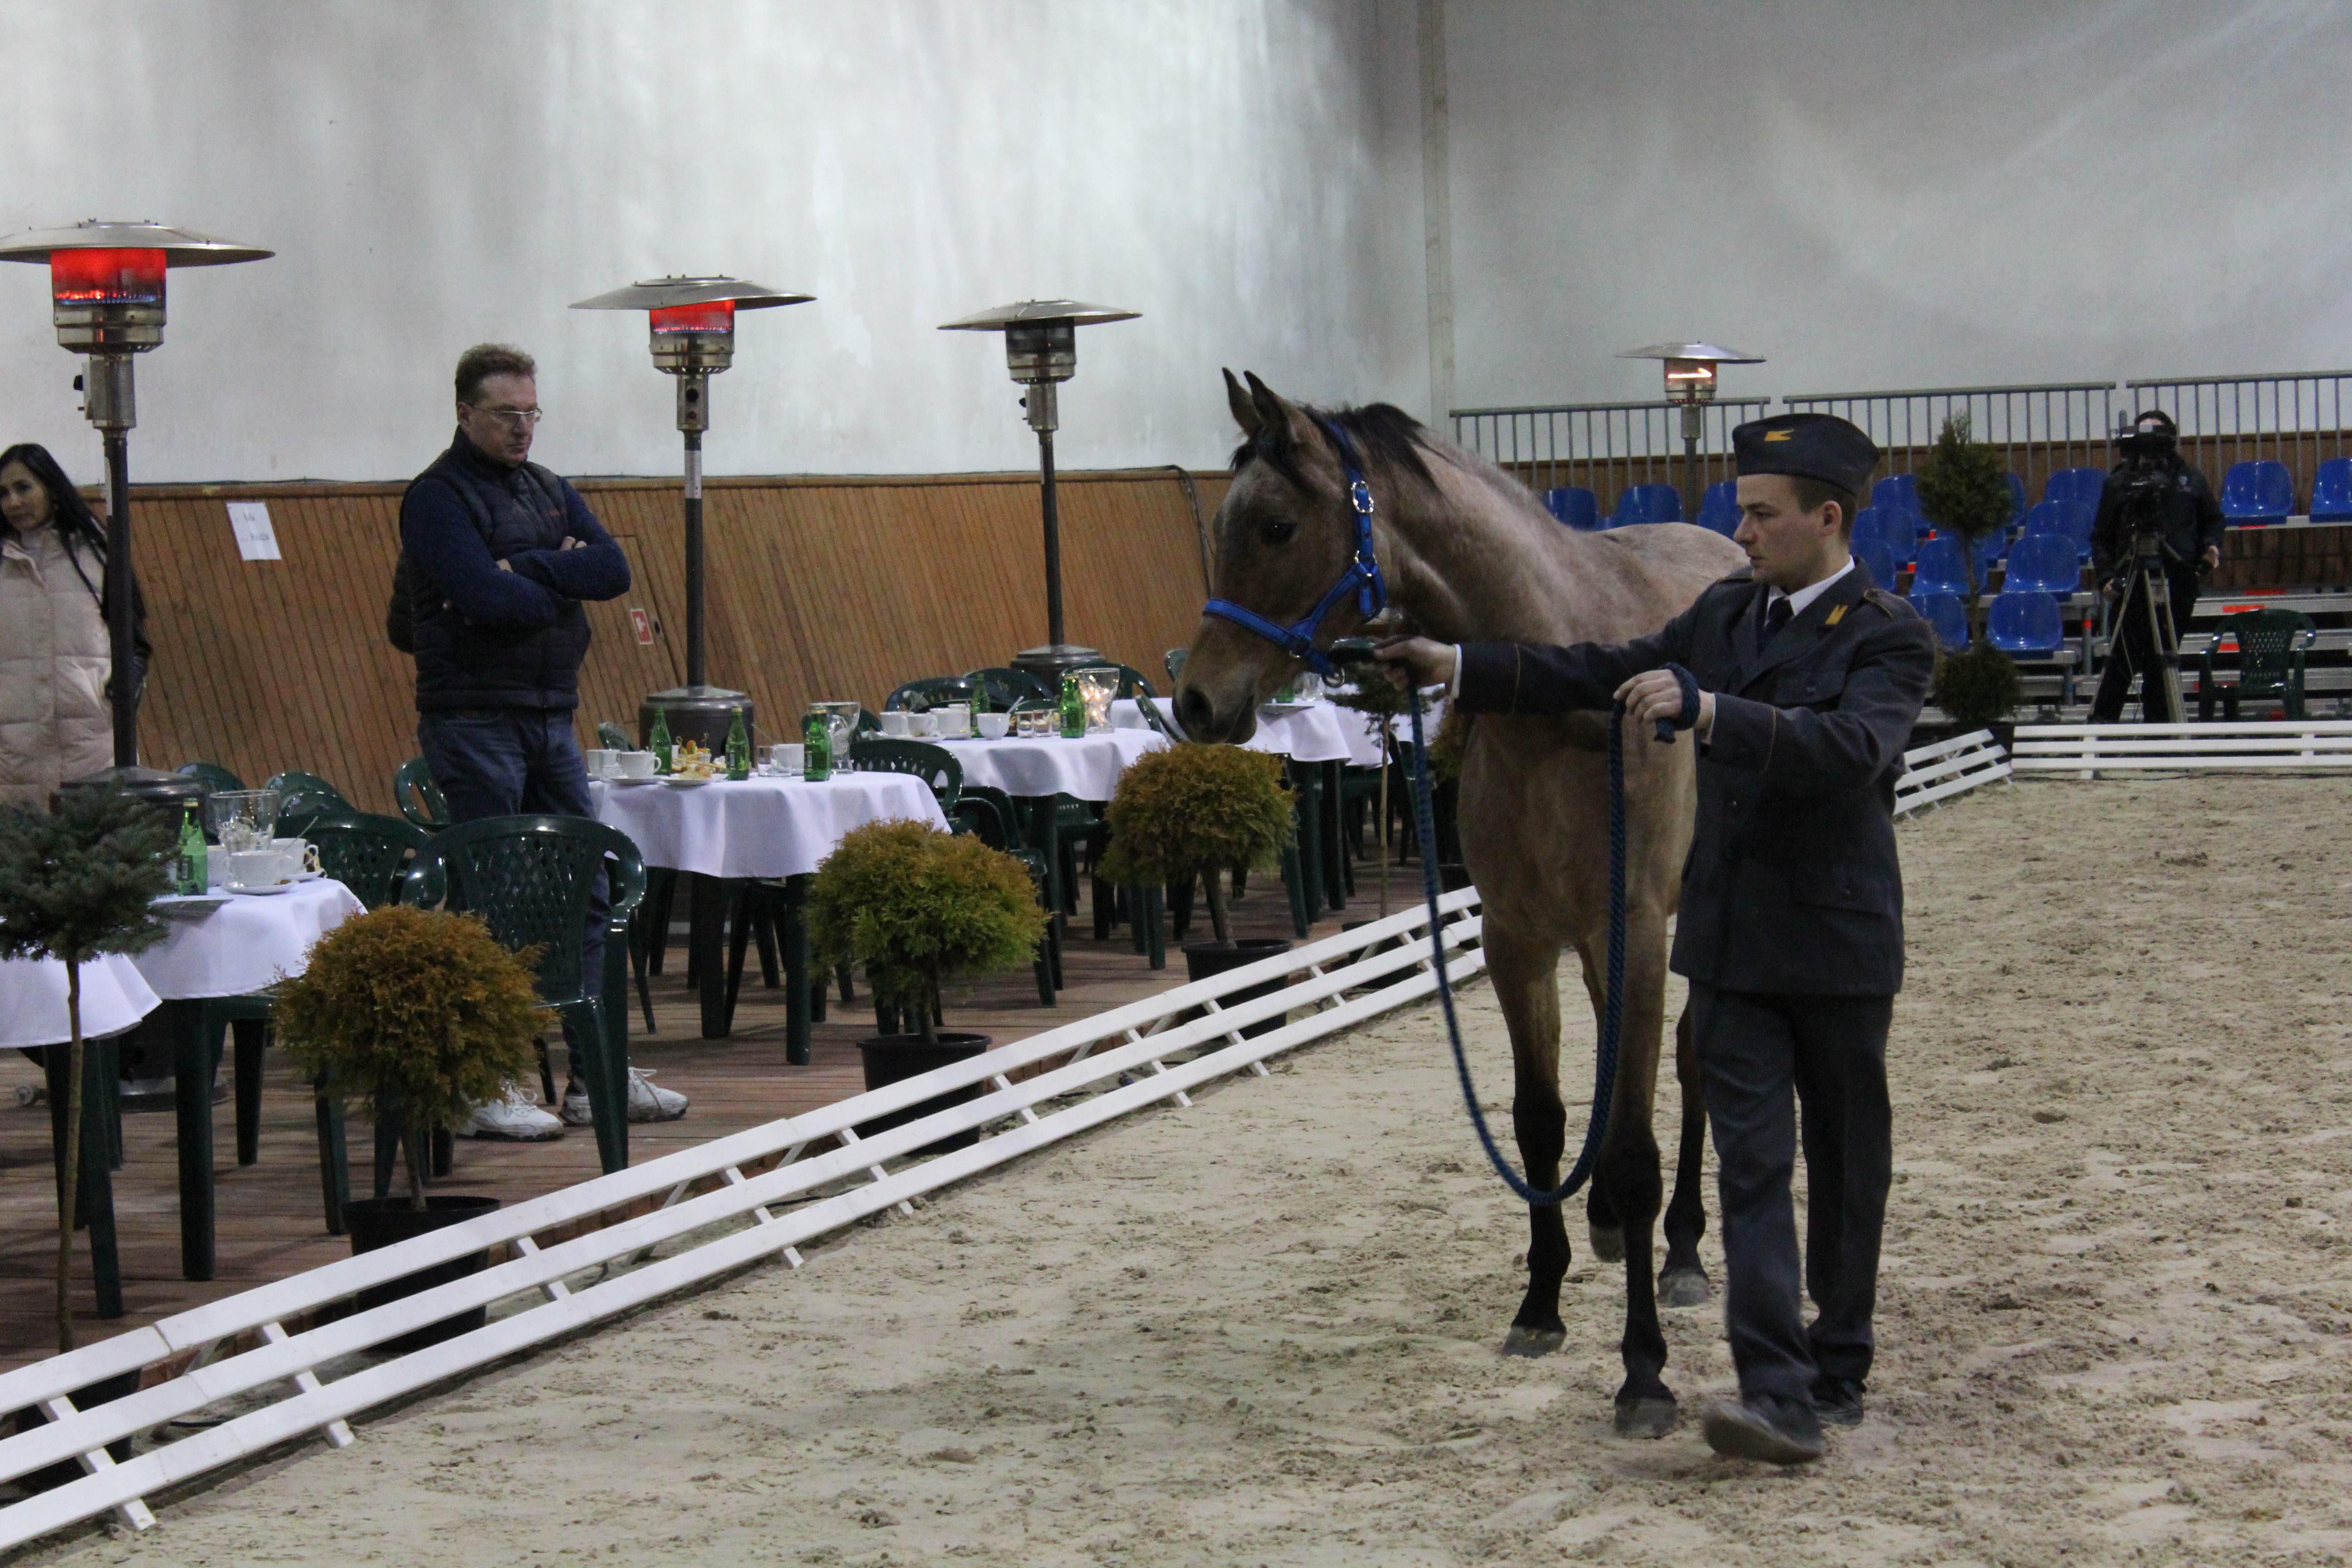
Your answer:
<point x="106" y="279"/>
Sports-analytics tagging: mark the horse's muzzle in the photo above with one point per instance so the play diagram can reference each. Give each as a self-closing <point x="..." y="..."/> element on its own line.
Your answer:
<point x="1204" y="716"/>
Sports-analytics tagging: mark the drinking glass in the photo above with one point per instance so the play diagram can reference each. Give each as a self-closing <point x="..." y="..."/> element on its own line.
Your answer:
<point x="242" y="819"/>
<point x="1098" y="684"/>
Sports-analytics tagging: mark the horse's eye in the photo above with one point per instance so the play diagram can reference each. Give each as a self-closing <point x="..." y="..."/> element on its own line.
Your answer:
<point x="1280" y="530"/>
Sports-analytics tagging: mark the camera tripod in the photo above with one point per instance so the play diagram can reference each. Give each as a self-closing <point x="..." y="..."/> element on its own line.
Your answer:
<point x="2147" y="599"/>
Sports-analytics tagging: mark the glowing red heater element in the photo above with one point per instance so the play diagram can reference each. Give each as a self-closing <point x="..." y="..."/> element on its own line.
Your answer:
<point x="106" y="277"/>
<point x="715" y="316"/>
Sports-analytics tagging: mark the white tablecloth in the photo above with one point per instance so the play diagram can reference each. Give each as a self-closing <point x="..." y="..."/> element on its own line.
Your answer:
<point x="33" y="1000"/>
<point x="759" y="827"/>
<point x="1317" y="733"/>
<point x="1084" y="769"/>
<point x="249" y="942"/>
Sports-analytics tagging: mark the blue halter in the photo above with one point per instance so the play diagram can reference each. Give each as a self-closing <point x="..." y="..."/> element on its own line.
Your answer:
<point x="1362" y="577"/>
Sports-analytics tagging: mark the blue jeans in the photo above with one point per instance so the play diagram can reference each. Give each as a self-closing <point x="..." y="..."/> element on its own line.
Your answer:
<point x="502" y="762"/>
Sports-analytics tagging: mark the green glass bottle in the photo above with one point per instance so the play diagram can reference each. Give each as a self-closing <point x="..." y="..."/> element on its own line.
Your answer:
<point x="191" y="868"/>
<point x="979" y="697"/>
<point x="659" y="741"/>
<point x="818" y="765"/>
<point x="1074" y="710"/>
<point x="739" y="749"/>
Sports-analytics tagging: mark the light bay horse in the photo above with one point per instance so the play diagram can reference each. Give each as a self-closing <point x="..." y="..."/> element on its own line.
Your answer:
<point x="1469" y="554"/>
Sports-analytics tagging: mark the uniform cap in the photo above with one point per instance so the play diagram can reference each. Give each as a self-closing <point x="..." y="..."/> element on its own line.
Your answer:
<point x="1810" y="446"/>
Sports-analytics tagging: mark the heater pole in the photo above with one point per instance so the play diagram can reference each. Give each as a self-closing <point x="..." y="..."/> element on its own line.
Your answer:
<point x="694" y="662"/>
<point x="118" y="598"/>
<point x="1052" y="541"/>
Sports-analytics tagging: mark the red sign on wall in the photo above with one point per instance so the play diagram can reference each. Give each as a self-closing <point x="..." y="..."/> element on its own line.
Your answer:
<point x="643" y="621"/>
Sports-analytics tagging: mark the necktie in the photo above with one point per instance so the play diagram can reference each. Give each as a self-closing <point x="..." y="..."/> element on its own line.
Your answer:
<point x="1778" y="616"/>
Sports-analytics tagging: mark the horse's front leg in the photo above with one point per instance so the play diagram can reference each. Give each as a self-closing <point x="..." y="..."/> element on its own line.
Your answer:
<point x="1525" y="977"/>
<point x="1628" y="1174"/>
<point x="1683" y="1281"/>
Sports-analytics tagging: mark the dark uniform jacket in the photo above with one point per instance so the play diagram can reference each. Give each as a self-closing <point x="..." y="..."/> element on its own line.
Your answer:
<point x="491" y="638"/>
<point x="1791" y="885"/>
<point x="2190" y="521"/>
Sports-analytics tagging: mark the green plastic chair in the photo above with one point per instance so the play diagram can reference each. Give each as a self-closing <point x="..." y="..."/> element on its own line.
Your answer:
<point x="530" y="878"/>
<point x="2271" y="647"/>
<point x="931" y="691"/>
<point x="612" y="738"/>
<point x="419" y="797"/>
<point x="988" y="813"/>
<point x="1174" y="659"/>
<point x="211" y="775"/>
<point x="1006" y="687"/>
<point x="367" y="853"/>
<point x="935" y="765"/>
<point x="304" y="797"/>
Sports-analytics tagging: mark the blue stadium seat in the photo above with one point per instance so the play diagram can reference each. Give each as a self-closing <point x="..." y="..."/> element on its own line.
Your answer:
<point x="2075" y="485"/>
<point x="2257" y="493"/>
<point x="1948" y="613"/>
<point x="1941" y="568"/>
<point x="1899" y="527"/>
<point x="1896" y="491"/>
<point x="1647" y="503"/>
<point x="2331" y="491"/>
<point x="1720" y="507"/>
<point x="2071" y="519"/>
<point x="1574" y="505"/>
<point x="1878" y="561"/>
<point x="2026" y="622"/>
<point x="2044" y="562"/>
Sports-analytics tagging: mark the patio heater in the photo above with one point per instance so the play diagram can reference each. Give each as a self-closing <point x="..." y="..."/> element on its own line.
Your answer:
<point x="1041" y="348"/>
<point x="106" y="290"/>
<point x="691" y="322"/>
<point x="1690" y="385"/>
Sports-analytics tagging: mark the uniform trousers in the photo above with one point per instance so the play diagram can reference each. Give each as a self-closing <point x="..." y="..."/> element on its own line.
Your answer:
<point x="1767" y="1063"/>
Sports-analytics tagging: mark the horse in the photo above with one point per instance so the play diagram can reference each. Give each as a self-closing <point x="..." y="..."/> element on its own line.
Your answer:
<point x="1468" y="554"/>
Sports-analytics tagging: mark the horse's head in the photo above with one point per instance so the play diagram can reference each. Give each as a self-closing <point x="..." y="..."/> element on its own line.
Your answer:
<point x="1286" y="535"/>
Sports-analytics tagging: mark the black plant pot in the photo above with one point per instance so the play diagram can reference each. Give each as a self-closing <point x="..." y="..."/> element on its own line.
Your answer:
<point x="1204" y="959"/>
<point x="380" y="1221"/>
<point x="65" y="1471"/>
<point x="892" y="1057"/>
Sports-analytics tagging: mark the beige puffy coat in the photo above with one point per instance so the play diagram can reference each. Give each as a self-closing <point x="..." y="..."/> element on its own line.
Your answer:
<point x="54" y="659"/>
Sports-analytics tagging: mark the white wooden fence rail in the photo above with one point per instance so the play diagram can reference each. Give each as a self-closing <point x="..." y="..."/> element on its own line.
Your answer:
<point x="1116" y="1062"/>
<point x="2088" y="750"/>
<point x="1947" y="768"/>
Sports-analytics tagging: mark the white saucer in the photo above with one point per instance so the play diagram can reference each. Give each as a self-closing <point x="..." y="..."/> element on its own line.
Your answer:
<point x="257" y="892"/>
<point x="188" y="906"/>
<point x="622" y="780"/>
<point x="688" y="783"/>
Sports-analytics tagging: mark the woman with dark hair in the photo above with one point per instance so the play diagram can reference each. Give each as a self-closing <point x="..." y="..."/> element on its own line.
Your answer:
<point x="55" y="666"/>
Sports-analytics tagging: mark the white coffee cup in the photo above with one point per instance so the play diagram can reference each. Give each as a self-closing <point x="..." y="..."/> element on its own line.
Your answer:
<point x="598" y="763"/>
<point x="298" y="855"/>
<point x="895" y="723"/>
<point x="257" y="868"/>
<point x="788" y="757"/>
<point x="216" y="864"/>
<point x="992" y="725"/>
<point x="955" y="719"/>
<point x="635" y="765"/>
<point x="922" y="724"/>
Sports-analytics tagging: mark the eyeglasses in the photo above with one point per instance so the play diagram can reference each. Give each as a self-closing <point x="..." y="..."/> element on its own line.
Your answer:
<point x="518" y="418"/>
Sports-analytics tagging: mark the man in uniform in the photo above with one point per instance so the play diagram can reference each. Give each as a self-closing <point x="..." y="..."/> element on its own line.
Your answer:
<point x="1802" y="681"/>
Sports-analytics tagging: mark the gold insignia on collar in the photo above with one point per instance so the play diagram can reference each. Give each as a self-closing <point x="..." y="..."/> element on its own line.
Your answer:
<point x="1836" y="615"/>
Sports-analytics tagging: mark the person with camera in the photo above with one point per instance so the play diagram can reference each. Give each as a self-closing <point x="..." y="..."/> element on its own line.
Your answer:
<point x="2156" y="506"/>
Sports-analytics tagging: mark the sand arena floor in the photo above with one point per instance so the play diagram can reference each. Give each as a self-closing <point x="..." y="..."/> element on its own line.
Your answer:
<point x="2117" y="1298"/>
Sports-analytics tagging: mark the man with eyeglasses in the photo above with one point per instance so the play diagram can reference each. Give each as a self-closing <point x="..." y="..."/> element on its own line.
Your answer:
<point x="497" y="554"/>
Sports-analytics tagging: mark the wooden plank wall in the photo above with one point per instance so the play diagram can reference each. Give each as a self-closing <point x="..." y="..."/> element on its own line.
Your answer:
<point x="819" y="588"/>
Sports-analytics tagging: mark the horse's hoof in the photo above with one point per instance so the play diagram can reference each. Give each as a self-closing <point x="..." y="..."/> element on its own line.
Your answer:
<point x="1609" y="1246"/>
<point x="1525" y="1341"/>
<point x="1651" y="1418"/>
<point x="1683" y="1287"/>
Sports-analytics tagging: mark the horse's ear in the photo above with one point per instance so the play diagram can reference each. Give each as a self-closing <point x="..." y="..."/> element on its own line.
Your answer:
<point x="1245" y="413"/>
<point x="1285" y="425"/>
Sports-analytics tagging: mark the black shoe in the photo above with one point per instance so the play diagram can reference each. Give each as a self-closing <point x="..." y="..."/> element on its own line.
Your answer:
<point x="1774" y="1431"/>
<point x="1838" y="1400"/>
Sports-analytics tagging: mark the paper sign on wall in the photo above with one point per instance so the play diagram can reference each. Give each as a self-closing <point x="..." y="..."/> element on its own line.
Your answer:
<point x="644" y="624"/>
<point x="256" y="540"/>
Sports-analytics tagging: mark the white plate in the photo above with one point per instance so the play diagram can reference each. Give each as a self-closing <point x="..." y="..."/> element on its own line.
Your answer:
<point x="257" y="892"/>
<point x="188" y="906"/>
<point x="619" y="781"/>
<point x="688" y="783"/>
<point x="1284" y="709"/>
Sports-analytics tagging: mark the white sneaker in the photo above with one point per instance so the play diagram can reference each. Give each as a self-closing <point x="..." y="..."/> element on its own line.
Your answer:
<point x="516" y="1118"/>
<point x="647" y="1102"/>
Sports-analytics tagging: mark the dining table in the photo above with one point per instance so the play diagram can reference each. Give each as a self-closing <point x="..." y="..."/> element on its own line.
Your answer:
<point x="717" y="834"/>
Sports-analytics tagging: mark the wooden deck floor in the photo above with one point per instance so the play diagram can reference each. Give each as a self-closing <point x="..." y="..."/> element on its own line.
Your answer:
<point x="270" y="1223"/>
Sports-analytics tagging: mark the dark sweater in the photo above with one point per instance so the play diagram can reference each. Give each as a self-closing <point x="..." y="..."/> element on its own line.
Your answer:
<point x="492" y="639"/>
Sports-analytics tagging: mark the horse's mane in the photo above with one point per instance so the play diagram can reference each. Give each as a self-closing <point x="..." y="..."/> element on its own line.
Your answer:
<point x="1383" y="431"/>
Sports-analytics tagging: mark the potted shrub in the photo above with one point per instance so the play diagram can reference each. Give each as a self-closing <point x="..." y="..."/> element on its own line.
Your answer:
<point x="73" y="885"/>
<point x="1964" y="492"/>
<point x="421" y="1017"/>
<point x="917" y="908"/>
<point x="1979" y="687"/>
<point x="1197" y="811"/>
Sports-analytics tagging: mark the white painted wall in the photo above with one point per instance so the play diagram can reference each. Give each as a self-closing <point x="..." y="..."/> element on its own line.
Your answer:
<point x="1896" y="195"/>
<point x="433" y="172"/>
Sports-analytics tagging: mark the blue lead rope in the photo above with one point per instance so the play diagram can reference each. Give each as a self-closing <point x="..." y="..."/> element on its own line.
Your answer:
<point x="1612" y="1020"/>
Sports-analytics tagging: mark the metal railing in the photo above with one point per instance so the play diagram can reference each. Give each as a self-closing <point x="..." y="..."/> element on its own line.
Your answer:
<point x="2062" y="425"/>
<point x="2296" y="417"/>
<point x="1607" y="447"/>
